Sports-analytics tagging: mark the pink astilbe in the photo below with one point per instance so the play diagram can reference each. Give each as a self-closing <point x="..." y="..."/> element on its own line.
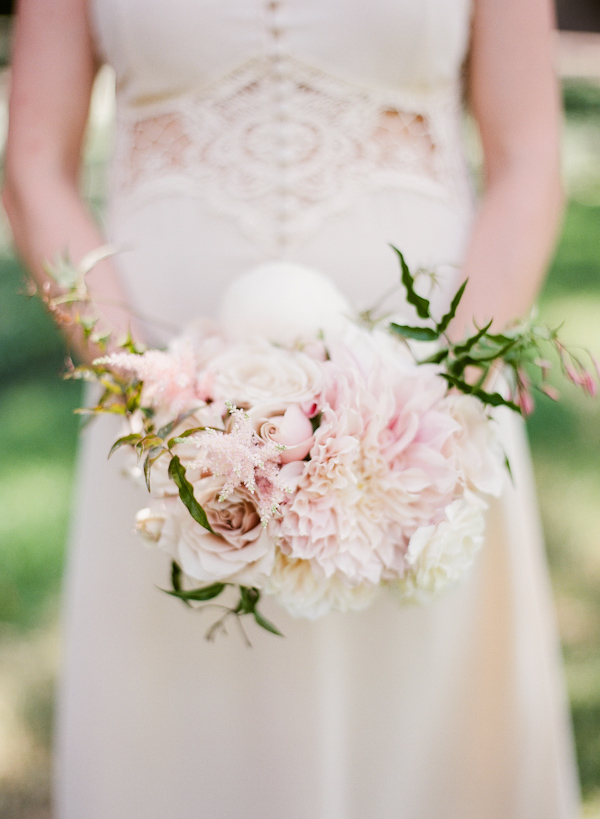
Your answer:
<point x="170" y="379"/>
<point x="241" y="458"/>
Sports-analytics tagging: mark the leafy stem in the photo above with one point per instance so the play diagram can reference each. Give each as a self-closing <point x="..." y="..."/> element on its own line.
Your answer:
<point x="468" y="366"/>
<point x="247" y="604"/>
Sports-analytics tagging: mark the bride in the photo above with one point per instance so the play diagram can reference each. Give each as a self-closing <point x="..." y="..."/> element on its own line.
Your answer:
<point x="317" y="131"/>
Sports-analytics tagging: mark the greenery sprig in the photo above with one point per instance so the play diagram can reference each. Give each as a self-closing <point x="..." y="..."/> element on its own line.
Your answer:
<point x="247" y="604"/>
<point x="520" y="352"/>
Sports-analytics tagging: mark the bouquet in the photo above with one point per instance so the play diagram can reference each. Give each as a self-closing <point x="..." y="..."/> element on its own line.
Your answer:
<point x="312" y="455"/>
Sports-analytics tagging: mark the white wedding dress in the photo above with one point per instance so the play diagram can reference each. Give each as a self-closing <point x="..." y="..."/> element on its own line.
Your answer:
<point x="318" y="131"/>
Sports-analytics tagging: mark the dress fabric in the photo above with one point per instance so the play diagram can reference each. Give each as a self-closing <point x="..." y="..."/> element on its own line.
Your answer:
<point x="318" y="131"/>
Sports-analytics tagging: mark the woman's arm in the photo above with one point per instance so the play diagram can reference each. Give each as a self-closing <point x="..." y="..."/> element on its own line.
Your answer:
<point x="53" y="69"/>
<point x="515" y="100"/>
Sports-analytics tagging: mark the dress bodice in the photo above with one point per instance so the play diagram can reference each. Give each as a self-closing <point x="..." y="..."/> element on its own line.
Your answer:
<point x="281" y="112"/>
<point x="163" y="49"/>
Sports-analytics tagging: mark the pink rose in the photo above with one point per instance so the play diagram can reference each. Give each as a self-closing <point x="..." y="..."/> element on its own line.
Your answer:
<point x="292" y="429"/>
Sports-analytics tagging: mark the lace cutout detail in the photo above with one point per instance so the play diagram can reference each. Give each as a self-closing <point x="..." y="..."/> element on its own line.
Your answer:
<point x="280" y="146"/>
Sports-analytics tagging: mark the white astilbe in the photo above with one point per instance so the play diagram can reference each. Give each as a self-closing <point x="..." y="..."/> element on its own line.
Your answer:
<point x="241" y="458"/>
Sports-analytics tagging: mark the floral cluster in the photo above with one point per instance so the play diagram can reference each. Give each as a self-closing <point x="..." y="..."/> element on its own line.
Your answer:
<point x="293" y="450"/>
<point x="326" y="470"/>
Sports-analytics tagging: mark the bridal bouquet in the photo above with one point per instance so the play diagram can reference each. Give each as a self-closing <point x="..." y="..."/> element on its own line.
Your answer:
<point x="316" y="457"/>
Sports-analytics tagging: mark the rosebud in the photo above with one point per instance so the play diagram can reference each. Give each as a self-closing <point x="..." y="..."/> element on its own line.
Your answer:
<point x="588" y="383"/>
<point x="550" y="391"/>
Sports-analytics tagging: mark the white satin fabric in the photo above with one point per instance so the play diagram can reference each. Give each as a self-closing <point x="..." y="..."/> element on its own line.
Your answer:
<point x="456" y="709"/>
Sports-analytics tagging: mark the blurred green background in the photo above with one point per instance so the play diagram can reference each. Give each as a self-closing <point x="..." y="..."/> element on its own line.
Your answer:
<point x="38" y="446"/>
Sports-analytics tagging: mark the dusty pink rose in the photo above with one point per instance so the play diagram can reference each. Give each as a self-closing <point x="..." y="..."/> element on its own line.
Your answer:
<point x="239" y="550"/>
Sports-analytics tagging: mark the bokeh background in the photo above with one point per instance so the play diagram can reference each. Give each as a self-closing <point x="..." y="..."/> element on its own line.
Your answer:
<point x="38" y="440"/>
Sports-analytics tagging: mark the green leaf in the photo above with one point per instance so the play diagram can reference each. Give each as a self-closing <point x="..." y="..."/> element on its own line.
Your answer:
<point x="418" y="302"/>
<point x="94" y="257"/>
<point x="126" y="439"/>
<point x="457" y="367"/>
<point x="445" y="320"/>
<point x="181" y="438"/>
<point x="493" y="399"/>
<point x="315" y="421"/>
<point x="418" y="333"/>
<point x="153" y="455"/>
<point x="476" y="357"/>
<point x="466" y="346"/>
<point x="201" y="594"/>
<point x="436" y="358"/>
<point x="249" y="597"/>
<point x="509" y="469"/>
<point x="186" y="493"/>
<point x="110" y="388"/>
<point x="101" y="339"/>
<point x="165" y="431"/>
<point x="499" y="338"/>
<point x="134" y="397"/>
<point x="63" y="271"/>
<point x="266" y="624"/>
<point x="130" y="346"/>
<point x="87" y="324"/>
<point x="458" y="383"/>
<point x="115" y="409"/>
<point x="150" y="442"/>
<point x="176" y="574"/>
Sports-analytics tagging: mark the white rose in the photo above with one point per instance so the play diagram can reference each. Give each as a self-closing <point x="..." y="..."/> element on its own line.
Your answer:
<point x="240" y="549"/>
<point x="304" y="593"/>
<point x="259" y="375"/>
<point x="477" y="447"/>
<point x="283" y="302"/>
<point x="440" y="555"/>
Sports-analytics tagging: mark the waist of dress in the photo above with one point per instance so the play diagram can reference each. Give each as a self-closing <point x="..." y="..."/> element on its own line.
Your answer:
<point x="280" y="150"/>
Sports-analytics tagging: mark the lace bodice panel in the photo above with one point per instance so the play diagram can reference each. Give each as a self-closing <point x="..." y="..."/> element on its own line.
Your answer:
<point x="279" y="144"/>
<point x="280" y="150"/>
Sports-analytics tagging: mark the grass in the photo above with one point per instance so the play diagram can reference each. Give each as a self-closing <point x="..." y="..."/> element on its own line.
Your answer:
<point x="565" y="438"/>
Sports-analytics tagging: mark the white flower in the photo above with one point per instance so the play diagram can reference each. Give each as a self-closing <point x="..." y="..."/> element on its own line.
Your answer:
<point x="149" y="523"/>
<point x="262" y="376"/>
<point x="477" y="445"/>
<point x="283" y="302"/>
<point x="440" y="555"/>
<point x="240" y="549"/>
<point x="305" y="594"/>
